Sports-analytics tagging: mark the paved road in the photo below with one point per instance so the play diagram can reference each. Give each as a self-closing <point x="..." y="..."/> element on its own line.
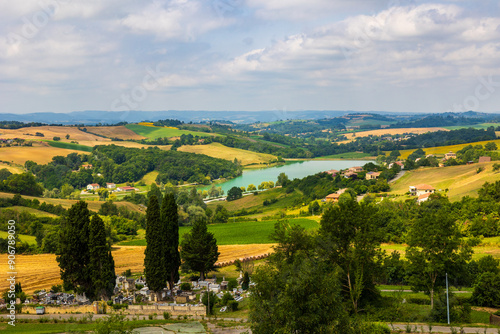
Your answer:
<point x="398" y="175"/>
<point x="444" y="329"/>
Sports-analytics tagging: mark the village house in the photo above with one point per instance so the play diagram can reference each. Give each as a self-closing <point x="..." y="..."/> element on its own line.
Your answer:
<point x="87" y="166"/>
<point x="127" y="188"/>
<point x="110" y="185"/>
<point x="349" y="175"/>
<point x="423" y="198"/>
<point x="484" y="159"/>
<point x="421" y="189"/>
<point x="332" y="172"/>
<point x="356" y="169"/>
<point x="399" y="163"/>
<point x="450" y="155"/>
<point x="333" y="198"/>
<point x="372" y="175"/>
<point x="93" y="186"/>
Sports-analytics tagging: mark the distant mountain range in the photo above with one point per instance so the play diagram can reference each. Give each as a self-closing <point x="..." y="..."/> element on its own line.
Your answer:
<point x="92" y="117"/>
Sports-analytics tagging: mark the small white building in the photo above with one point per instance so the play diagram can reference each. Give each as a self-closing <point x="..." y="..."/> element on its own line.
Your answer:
<point x="110" y="185"/>
<point x="93" y="186"/>
<point x="423" y="198"/>
<point x="421" y="189"/>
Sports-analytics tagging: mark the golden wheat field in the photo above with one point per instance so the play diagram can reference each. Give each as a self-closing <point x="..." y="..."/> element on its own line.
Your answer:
<point x="41" y="271"/>
<point x="217" y="150"/>
<point x="120" y="132"/>
<point x="49" y="132"/>
<point x="39" y="154"/>
<point x="399" y="131"/>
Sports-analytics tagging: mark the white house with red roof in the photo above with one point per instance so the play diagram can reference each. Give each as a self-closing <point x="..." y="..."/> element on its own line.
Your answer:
<point x="93" y="186"/>
<point x="421" y="189"/>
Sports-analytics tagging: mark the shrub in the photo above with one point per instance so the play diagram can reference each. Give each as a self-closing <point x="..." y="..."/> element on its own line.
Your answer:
<point x="232" y="305"/>
<point x="186" y="286"/>
<point x="56" y="138"/>
<point x="166" y="315"/>
<point x="487" y="290"/>
<point x="226" y="298"/>
<point x="232" y="284"/>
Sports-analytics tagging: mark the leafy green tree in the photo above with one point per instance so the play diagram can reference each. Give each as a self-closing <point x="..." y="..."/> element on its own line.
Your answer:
<point x="101" y="265"/>
<point x="199" y="249"/>
<point x="435" y="247"/>
<point x="73" y="253"/>
<point x="251" y="187"/>
<point x="4" y="174"/>
<point x="66" y="190"/>
<point x="350" y="238"/>
<point x="170" y="220"/>
<point x="491" y="146"/>
<point x="282" y="180"/>
<point x="155" y="190"/>
<point x="213" y="301"/>
<point x="281" y="301"/>
<point x="154" y="267"/>
<point x="24" y="184"/>
<point x="108" y="208"/>
<point x="487" y="290"/>
<point x="221" y="215"/>
<point x="234" y="193"/>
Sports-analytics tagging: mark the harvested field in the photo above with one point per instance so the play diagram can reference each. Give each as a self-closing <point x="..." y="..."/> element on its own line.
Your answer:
<point x="400" y="131"/>
<point x="49" y="132"/>
<point x="120" y="132"/>
<point x="39" y="154"/>
<point x="41" y="271"/>
<point x="122" y="143"/>
<point x="12" y="169"/>
<point x="459" y="180"/>
<point x="217" y="150"/>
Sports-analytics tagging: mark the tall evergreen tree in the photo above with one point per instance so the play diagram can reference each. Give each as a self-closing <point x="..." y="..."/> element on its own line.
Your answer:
<point x="73" y="252"/>
<point x="154" y="267"/>
<point x="199" y="249"/>
<point x="170" y="220"/>
<point x="102" y="265"/>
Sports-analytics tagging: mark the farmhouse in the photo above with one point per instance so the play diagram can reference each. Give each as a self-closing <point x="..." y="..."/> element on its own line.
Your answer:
<point x="332" y="172"/>
<point x="356" y="169"/>
<point x="93" y="186"/>
<point x="484" y="159"/>
<point x="87" y="166"/>
<point x="399" y="163"/>
<point x="333" y="197"/>
<point x="421" y="189"/>
<point x="110" y="185"/>
<point x="450" y="155"/>
<point x="349" y="175"/>
<point x="127" y="188"/>
<point x="372" y="175"/>
<point x="423" y="198"/>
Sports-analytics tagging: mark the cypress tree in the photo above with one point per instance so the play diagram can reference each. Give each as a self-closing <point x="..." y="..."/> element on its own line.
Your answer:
<point x="170" y="221"/>
<point x="102" y="265"/>
<point x="73" y="251"/>
<point x="154" y="267"/>
<point x="199" y="249"/>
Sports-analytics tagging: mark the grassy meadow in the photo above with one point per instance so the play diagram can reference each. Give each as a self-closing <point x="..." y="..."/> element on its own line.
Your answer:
<point x="347" y="156"/>
<point x="153" y="132"/>
<point x="70" y="146"/>
<point x="217" y="150"/>
<point x="32" y="211"/>
<point x="460" y="180"/>
<point x="238" y="233"/>
<point x="24" y="238"/>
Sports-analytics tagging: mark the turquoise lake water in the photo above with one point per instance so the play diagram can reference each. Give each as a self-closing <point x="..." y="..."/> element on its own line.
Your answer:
<point x="296" y="169"/>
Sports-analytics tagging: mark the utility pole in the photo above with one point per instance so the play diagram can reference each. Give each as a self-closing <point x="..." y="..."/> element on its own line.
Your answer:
<point x="447" y="299"/>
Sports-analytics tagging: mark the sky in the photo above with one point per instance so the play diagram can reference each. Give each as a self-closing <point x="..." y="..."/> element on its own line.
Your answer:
<point x="360" y="55"/>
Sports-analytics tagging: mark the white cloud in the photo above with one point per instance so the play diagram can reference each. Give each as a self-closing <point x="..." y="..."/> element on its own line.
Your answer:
<point x="175" y="19"/>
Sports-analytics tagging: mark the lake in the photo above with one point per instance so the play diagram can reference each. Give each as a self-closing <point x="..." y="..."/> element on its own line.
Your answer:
<point x="294" y="170"/>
